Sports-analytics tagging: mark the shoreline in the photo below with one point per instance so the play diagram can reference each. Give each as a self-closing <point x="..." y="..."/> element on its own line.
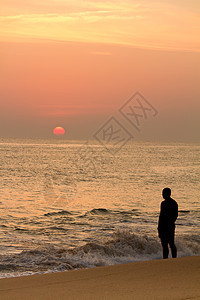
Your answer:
<point x="156" y="279"/>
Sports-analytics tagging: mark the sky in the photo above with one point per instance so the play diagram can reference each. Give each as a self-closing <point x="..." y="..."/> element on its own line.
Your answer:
<point x="75" y="63"/>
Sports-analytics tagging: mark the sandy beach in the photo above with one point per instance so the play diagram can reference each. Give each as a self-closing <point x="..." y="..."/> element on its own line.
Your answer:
<point x="158" y="279"/>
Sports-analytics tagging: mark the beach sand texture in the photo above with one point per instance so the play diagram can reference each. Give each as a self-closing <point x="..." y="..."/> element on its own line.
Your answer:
<point x="158" y="279"/>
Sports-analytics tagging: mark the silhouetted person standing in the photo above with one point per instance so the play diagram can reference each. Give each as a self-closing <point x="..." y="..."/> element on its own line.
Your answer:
<point x="166" y="223"/>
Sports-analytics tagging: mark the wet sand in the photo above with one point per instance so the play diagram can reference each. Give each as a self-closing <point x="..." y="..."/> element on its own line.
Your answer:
<point x="157" y="279"/>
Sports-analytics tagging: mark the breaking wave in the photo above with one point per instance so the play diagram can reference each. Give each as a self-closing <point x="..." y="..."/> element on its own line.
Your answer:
<point x="122" y="247"/>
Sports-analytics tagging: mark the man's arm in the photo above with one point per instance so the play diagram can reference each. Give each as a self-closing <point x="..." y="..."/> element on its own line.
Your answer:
<point x="160" y="219"/>
<point x="176" y="211"/>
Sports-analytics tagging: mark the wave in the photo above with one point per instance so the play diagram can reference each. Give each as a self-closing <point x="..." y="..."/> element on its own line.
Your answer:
<point x="21" y="229"/>
<point x="3" y="226"/>
<point x="104" y="211"/>
<point x="97" y="211"/>
<point x="58" y="228"/>
<point x="123" y="247"/>
<point x="63" y="212"/>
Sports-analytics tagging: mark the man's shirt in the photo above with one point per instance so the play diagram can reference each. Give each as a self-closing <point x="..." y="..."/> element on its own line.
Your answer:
<point x="168" y="216"/>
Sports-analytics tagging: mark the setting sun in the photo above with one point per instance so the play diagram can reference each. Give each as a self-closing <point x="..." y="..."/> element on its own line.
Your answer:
<point x="59" y="131"/>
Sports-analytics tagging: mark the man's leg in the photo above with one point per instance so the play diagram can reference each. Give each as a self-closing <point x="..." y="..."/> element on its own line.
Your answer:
<point x="172" y="246"/>
<point x="164" y="243"/>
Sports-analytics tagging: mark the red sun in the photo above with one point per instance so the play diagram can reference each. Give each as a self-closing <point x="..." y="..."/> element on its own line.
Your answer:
<point x="59" y="131"/>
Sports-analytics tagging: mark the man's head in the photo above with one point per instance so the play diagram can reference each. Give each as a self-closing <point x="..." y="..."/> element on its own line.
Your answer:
<point x="166" y="193"/>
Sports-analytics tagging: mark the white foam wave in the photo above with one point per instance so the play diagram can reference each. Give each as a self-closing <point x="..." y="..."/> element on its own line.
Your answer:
<point x="123" y="247"/>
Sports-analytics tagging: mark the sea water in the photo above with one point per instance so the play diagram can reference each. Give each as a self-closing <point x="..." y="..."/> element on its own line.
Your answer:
<point x="69" y="204"/>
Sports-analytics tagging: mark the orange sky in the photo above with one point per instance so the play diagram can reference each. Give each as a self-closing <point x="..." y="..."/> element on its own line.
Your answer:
<point x="74" y="63"/>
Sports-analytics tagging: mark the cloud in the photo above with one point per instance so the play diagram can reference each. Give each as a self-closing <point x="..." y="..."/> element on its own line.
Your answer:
<point x="159" y="25"/>
<point x="87" y="17"/>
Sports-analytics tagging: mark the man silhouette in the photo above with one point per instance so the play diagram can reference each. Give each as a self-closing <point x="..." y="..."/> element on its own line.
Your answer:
<point x="166" y="223"/>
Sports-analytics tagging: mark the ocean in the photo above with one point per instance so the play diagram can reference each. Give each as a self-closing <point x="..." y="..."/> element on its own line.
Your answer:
<point x="69" y="204"/>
